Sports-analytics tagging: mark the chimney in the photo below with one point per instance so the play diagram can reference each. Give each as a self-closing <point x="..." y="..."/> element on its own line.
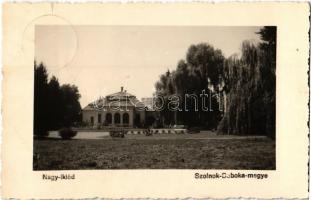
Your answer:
<point x="122" y="89"/>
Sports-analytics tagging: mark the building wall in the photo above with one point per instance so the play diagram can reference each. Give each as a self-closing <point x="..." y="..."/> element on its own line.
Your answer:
<point x="142" y="116"/>
<point x="121" y="112"/>
<point x="87" y="114"/>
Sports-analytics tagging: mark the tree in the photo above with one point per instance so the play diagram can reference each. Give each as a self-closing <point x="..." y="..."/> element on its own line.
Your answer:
<point x="40" y="100"/>
<point x="71" y="105"/>
<point x="201" y="71"/>
<point x="208" y="62"/>
<point x="268" y="46"/>
<point x="250" y="88"/>
<point x="55" y="105"/>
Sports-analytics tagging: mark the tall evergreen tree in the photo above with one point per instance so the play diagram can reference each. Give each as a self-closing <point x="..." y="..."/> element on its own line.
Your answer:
<point x="41" y="117"/>
<point x="54" y="109"/>
<point x="55" y="105"/>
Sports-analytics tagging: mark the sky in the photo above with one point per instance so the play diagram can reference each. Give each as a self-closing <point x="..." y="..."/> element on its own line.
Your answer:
<point x="101" y="59"/>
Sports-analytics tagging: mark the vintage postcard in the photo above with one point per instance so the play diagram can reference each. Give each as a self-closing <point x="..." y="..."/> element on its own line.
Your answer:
<point x="155" y="100"/>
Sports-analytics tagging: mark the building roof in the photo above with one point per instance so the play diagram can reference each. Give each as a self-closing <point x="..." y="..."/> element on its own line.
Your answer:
<point x="118" y="99"/>
<point x="88" y="107"/>
<point x="121" y="94"/>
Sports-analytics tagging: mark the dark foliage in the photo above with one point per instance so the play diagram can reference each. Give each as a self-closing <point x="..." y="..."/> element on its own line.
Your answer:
<point x="117" y="133"/>
<point x="194" y="130"/>
<point x="250" y="87"/>
<point x="41" y="118"/>
<point x="71" y="106"/>
<point x="201" y="71"/>
<point x="148" y="132"/>
<point x="248" y="82"/>
<point x="67" y="133"/>
<point x="55" y="105"/>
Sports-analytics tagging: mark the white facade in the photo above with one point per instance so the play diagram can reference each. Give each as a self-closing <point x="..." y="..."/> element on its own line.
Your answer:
<point x="119" y="109"/>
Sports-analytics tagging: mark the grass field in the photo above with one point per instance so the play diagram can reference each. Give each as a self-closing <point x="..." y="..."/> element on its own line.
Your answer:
<point x="197" y="151"/>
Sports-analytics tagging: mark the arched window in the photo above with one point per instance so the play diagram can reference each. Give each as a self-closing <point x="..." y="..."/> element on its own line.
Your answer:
<point x="126" y="118"/>
<point x="117" y="118"/>
<point x="108" y="118"/>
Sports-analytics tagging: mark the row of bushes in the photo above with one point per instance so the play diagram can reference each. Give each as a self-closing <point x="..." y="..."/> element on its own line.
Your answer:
<point x="161" y="131"/>
<point x="121" y="133"/>
<point x="67" y="133"/>
<point x="149" y="132"/>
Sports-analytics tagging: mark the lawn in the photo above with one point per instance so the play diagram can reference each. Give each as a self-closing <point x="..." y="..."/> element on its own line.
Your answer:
<point x="156" y="152"/>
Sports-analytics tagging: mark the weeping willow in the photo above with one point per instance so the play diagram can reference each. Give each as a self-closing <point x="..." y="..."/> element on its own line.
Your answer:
<point x="250" y="89"/>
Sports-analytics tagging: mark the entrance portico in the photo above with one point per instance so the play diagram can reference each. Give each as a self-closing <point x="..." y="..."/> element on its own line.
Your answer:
<point x="118" y="109"/>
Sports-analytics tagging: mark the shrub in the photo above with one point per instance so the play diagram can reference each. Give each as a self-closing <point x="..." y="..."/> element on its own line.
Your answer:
<point x="148" y="133"/>
<point x="194" y="130"/>
<point x="117" y="134"/>
<point x="67" y="133"/>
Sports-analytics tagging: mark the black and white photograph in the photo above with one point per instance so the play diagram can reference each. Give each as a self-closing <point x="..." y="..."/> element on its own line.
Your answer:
<point x="154" y="97"/>
<point x="137" y="100"/>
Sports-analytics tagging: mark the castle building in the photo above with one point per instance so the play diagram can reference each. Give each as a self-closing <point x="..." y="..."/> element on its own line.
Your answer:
<point x="119" y="109"/>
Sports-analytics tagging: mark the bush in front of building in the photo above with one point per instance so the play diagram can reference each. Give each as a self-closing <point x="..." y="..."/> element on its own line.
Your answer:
<point x="115" y="134"/>
<point x="148" y="132"/>
<point x="67" y="133"/>
<point x="193" y="130"/>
